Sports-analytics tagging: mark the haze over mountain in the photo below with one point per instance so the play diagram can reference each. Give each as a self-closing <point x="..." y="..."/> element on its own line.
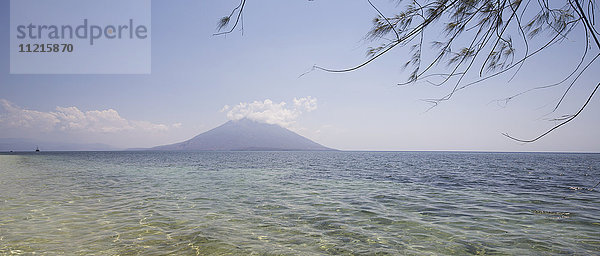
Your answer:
<point x="246" y="134"/>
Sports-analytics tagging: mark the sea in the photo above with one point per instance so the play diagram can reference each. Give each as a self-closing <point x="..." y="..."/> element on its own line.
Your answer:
<point x="299" y="203"/>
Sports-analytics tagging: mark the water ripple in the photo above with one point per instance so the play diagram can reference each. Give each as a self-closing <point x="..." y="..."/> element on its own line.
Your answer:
<point x="299" y="203"/>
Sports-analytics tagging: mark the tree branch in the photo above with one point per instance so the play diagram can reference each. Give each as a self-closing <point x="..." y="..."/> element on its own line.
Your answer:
<point x="225" y="20"/>
<point x="558" y="125"/>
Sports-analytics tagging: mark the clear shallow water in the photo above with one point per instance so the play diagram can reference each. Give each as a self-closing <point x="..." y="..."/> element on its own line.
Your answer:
<point x="299" y="203"/>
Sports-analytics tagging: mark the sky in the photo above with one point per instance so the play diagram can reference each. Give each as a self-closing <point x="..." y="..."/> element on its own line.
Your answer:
<point x="199" y="81"/>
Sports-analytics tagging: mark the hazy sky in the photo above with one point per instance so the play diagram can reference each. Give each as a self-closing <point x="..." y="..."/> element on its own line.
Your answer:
<point x="200" y="81"/>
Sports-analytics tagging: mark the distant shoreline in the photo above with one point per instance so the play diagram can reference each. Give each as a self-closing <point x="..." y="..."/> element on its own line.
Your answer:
<point x="340" y="151"/>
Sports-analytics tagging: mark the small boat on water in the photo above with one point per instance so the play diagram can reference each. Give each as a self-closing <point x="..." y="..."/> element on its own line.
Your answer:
<point x="37" y="149"/>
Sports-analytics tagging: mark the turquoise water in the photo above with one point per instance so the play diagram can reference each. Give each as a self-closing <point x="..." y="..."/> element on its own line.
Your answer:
<point x="299" y="203"/>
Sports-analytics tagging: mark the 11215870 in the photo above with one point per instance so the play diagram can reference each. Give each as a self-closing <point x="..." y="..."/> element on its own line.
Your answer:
<point x="45" y="48"/>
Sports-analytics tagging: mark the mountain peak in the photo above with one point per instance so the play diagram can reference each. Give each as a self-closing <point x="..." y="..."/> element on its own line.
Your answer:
<point x="246" y="134"/>
<point x="245" y="121"/>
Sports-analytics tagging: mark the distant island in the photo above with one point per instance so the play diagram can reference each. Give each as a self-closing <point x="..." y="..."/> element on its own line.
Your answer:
<point x="27" y="145"/>
<point x="246" y="135"/>
<point x="238" y="135"/>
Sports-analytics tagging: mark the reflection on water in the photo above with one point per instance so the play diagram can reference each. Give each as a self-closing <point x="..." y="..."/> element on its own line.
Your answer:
<point x="299" y="203"/>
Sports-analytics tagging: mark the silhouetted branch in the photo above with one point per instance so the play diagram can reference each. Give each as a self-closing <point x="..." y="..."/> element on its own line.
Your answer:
<point x="558" y="125"/>
<point x="587" y="22"/>
<point x="225" y="20"/>
<point x="507" y="99"/>
<point x="490" y="49"/>
<point x="386" y="19"/>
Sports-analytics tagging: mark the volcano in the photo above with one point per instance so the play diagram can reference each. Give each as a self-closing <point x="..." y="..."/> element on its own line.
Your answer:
<point x="246" y="135"/>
